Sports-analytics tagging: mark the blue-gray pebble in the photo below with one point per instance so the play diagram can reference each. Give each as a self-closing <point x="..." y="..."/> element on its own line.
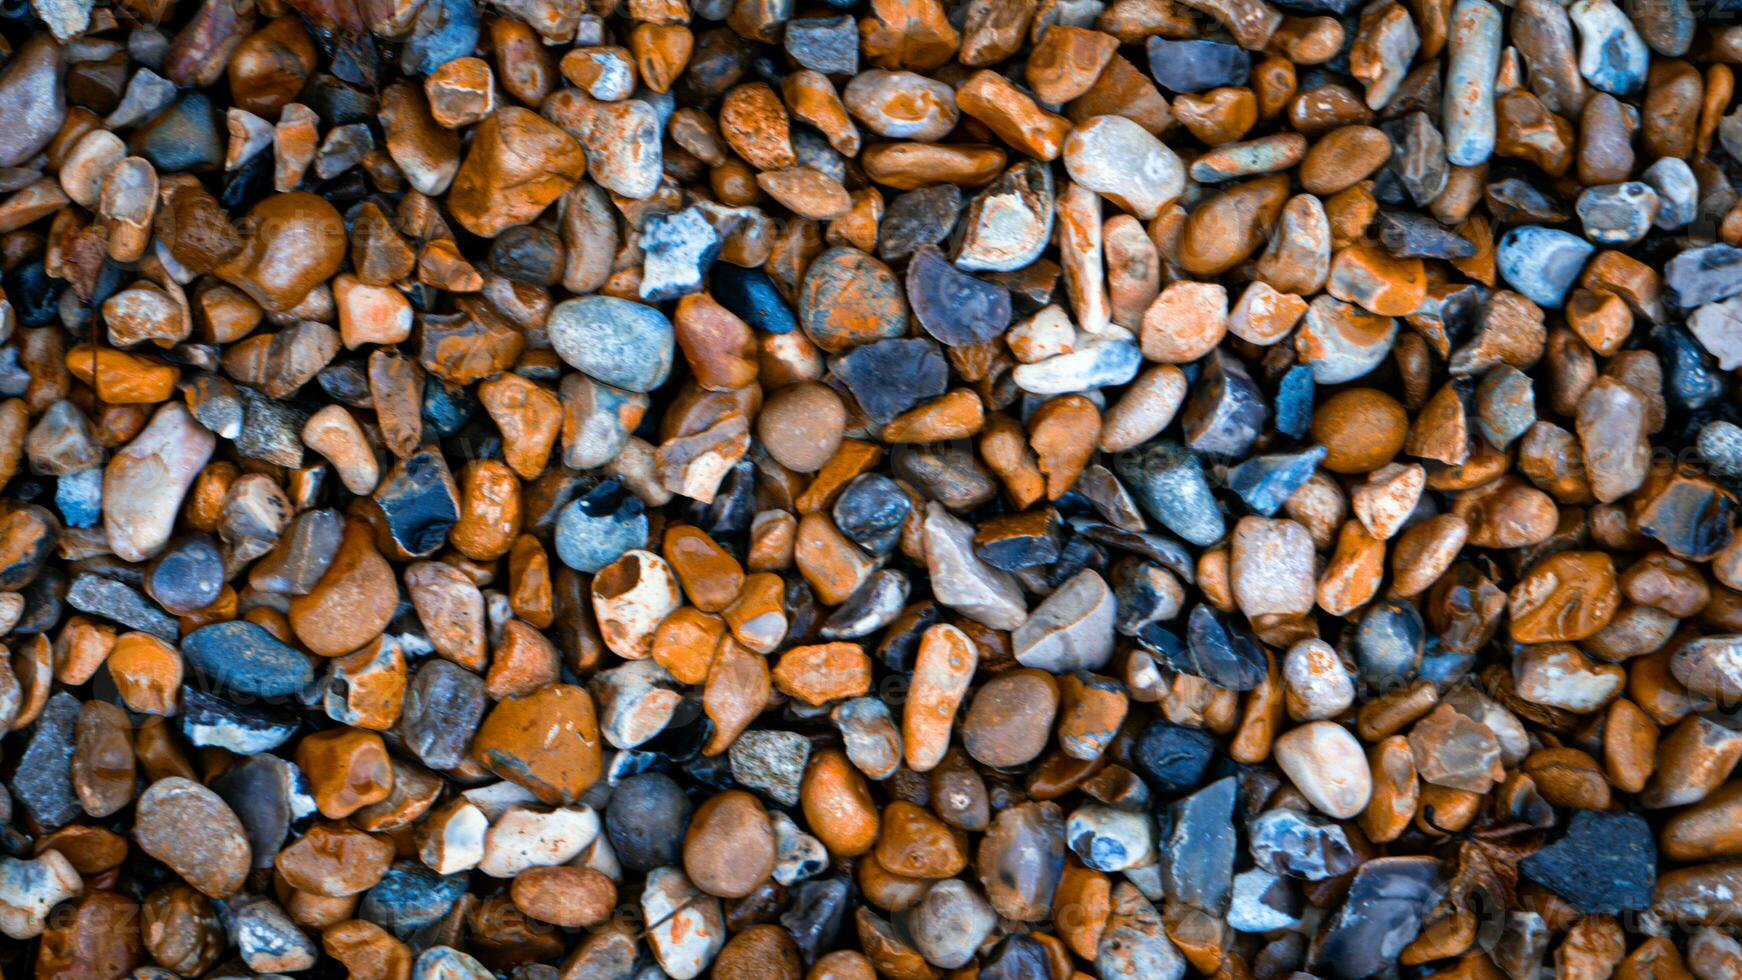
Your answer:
<point x="1542" y="263"/>
<point x="1197" y="65"/>
<point x="1169" y="483"/>
<point x="596" y="529"/>
<point x="614" y="340"/>
<point x="244" y="657"/>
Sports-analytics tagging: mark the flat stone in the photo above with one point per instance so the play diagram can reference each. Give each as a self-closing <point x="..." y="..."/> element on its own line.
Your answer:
<point x="1606" y="863"/>
<point x="963" y="582"/>
<point x="1199" y="853"/>
<point x="957" y="309"/>
<point x="243" y="657"/>
<point x="1384" y="911"/>
<point x="1197" y="65"/>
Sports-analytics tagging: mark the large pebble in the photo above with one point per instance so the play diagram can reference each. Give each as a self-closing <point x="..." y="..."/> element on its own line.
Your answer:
<point x="1072" y="630"/>
<point x="1542" y="263"/>
<point x="1327" y="765"/>
<point x="621" y="343"/>
<point x="1473" y="61"/>
<point x="32" y="98"/>
<point x="30" y="889"/>
<point x="145" y="482"/>
<point x="191" y="829"/>
<point x="1121" y="161"/>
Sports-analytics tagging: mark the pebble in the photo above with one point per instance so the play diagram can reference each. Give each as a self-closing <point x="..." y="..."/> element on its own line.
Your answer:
<point x="1612" y="57"/>
<point x="1169" y="482"/>
<point x="849" y="299"/>
<point x="1010" y="717"/>
<point x="564" y="896"/>
<point x="1702" y="275"/>
<point x="752" y="296"/>
<point x="950" y="923"/>
<point x="771" y="763"/>
<point x="1121" y="161"/>
<point x="1542" y="263"/>
<point x="1197" y="65"/>
<point x="1617" y="214"/>
<point x="1300" y="845"/>
<point x="614" y="341"/>
<point x="117" y="601"/>
<point x="1327" y="765"/>
<point x="1606" y="863"/>
<point x="956" y="309"/>
<point x="521" y="838"/>
<point x="547" y="741"/>
<point x="245" y="658"/>
<point x="677" y="251"/>
<point x="1266" y="483"/>
<point x="1009" y="223"/>
<point x="1225" y="411"/>
<point x="165" y="457"/>
<point x="1383" y="913"/>
<point x="645" y="821"/>
<point x="686" y="927"/>
<point x="1071" y="630"/>
<point x="32" y="93"/>
<point x="599" y="527"/>
<point x="1262" y="902"/>
<point x="941" y="672"/>
<point x="1023" y="852"/>
<point x="962" y="581"/>
<point x="30" y="890"/>
<point x="1134" y="943"/>
<point x="1473" y="59"/>
<point x="1342" y="342"/>
<point x="1677" y="192"/>
<point x="190" y="829"/>
<point x="269" y="941"/>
